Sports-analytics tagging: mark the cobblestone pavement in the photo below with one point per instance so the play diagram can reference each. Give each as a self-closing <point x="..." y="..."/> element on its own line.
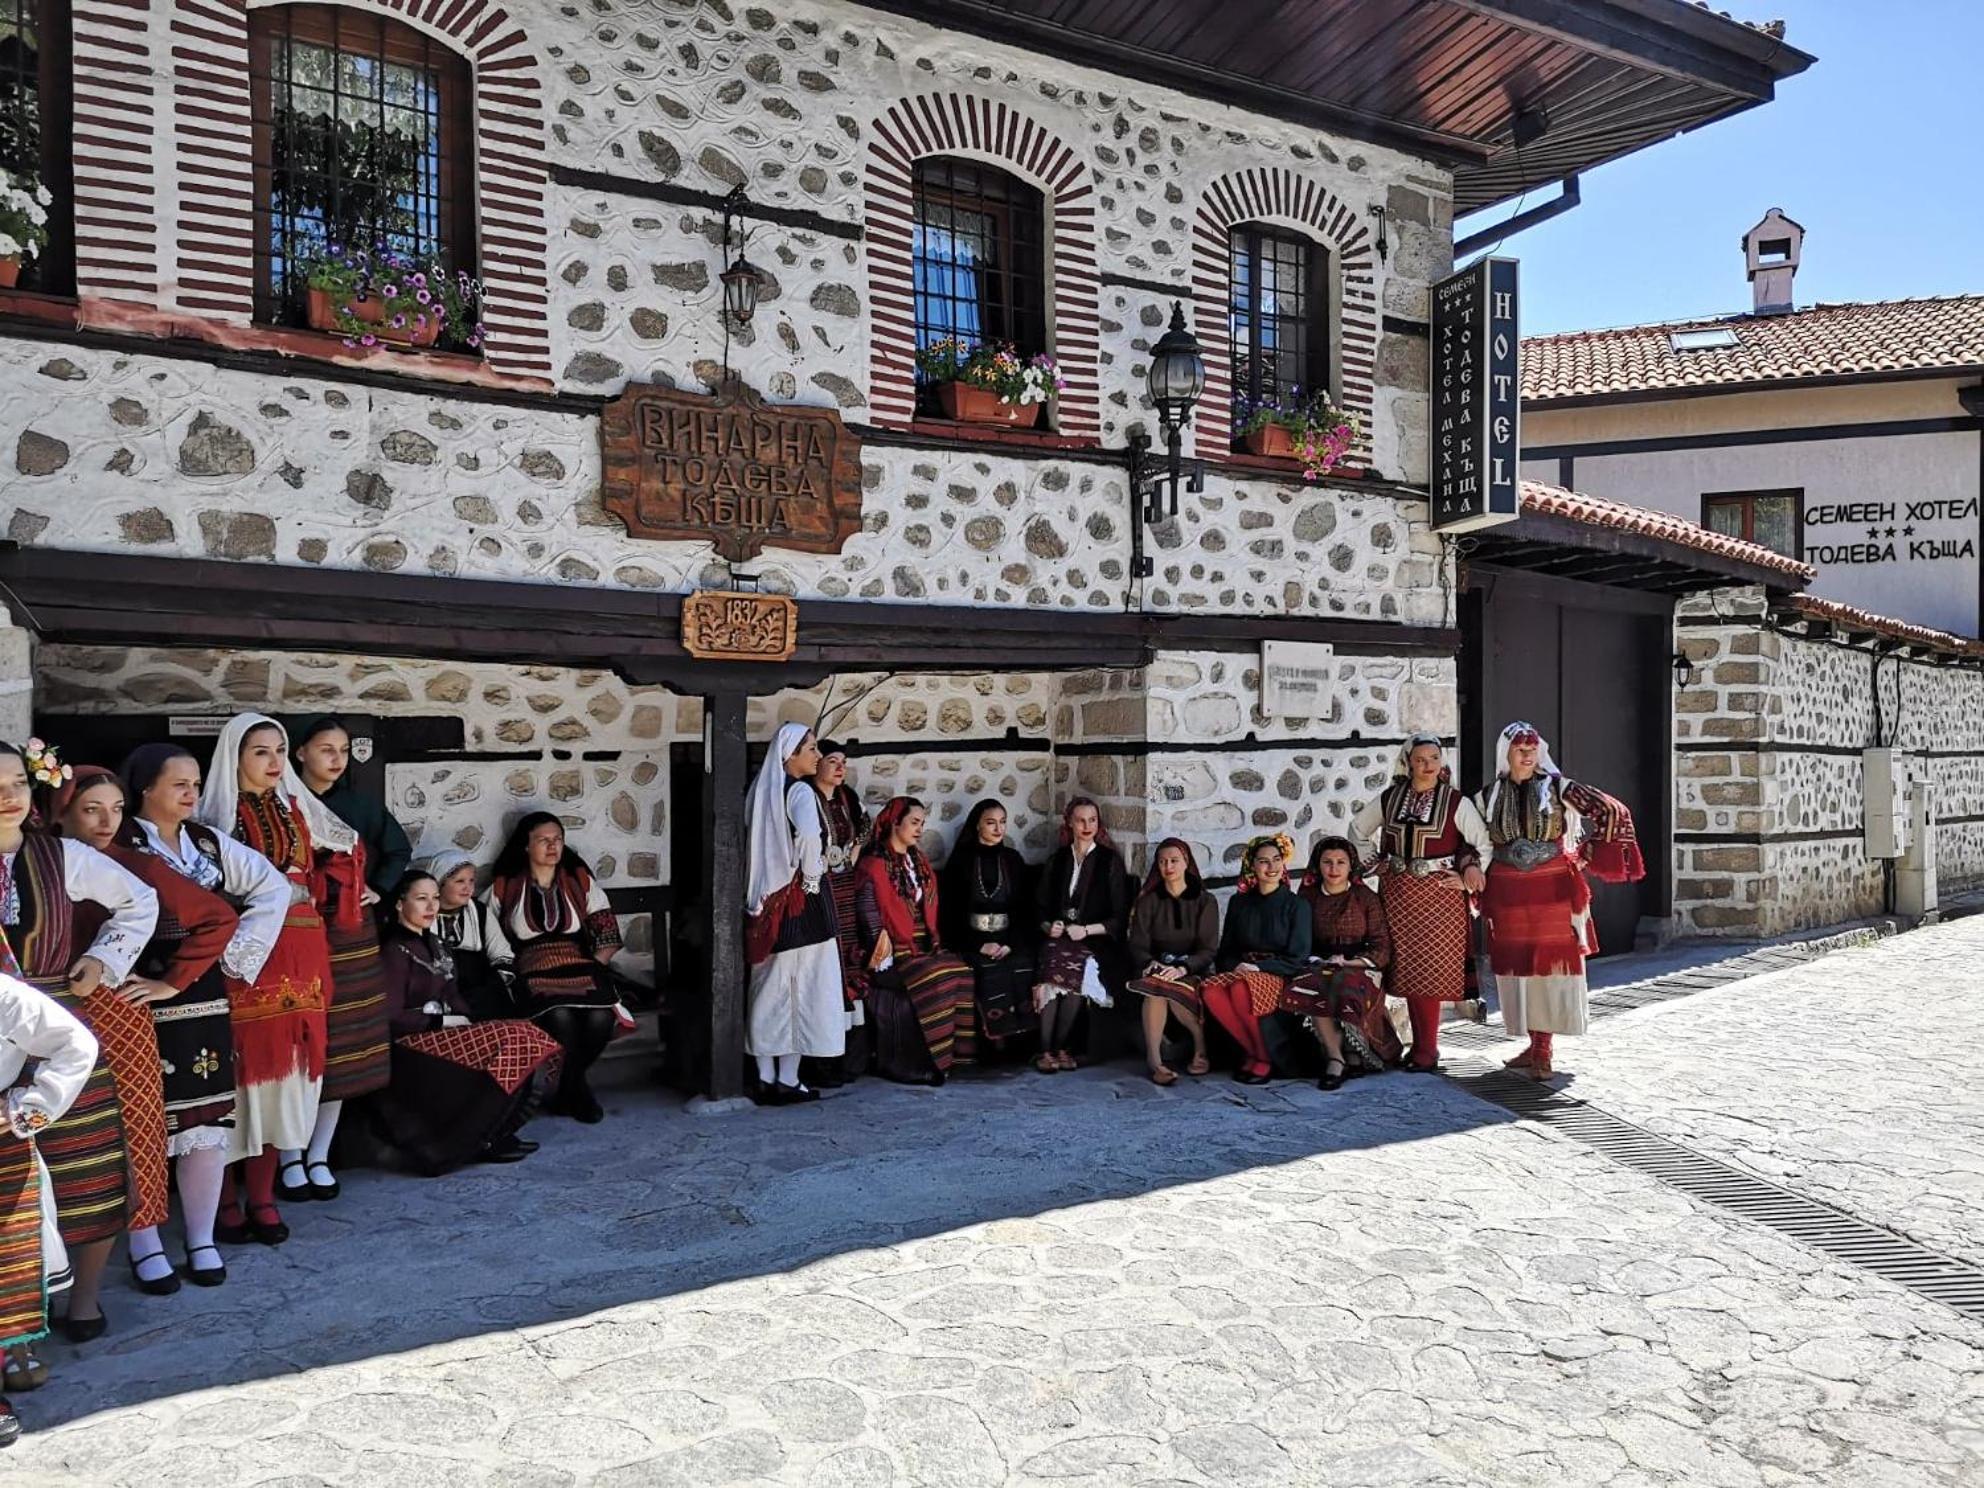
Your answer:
<point x="1084" y="1280"/>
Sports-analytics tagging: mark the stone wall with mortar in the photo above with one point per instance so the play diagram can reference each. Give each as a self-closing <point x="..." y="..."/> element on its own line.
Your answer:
<point x="1769" y="794"/>
<point x="119" y="451"/>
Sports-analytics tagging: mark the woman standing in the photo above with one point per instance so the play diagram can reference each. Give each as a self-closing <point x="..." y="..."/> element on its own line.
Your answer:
<point x="1345" y="999"/>
<point x="797" y="1007"/>
<point x="1537" y="904"/>
<point x="199" y="1034"/>
<point x="1425" y="842"/>
<point x="847" y="834"/>
<point x="37" y="1031"/>
<point x="348" y="891"/>
<point x="460" y="1088"/>
<point x="896" y="907"/>
<point x="988" y="920"/>
<point x="458" y="925"/>
<point x="552" y="930"/>
<point x="254" y="795"/>
<point x="1083" y="900"/>
<point x="1174" y="937"/>
<point x="1264" y="945"/>
<point x="44" y="880"/>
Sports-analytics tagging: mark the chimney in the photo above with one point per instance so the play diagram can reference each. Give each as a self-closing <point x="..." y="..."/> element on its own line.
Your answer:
<point x="1770" y="250"/>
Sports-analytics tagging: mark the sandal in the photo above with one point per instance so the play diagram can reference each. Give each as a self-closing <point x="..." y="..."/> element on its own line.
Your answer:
<point x="1047" y="1063"/>
<point x="25" y="1374"/>
<point x="1200" y="1065"/>
<point x="1065" y="1061"/>
<point x="1542" y="1071"/>
<point x="1163" y="1076"/>
<point x="1522" y="1061"/>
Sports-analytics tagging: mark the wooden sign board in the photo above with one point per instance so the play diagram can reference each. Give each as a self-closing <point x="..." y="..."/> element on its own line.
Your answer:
<point x="721" y="625"/>
<point x="730" y="470"/>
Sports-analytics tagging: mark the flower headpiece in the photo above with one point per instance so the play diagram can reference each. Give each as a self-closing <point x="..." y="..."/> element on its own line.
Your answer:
<point x="1282" y="843"/>
<point x="45" y="767"/>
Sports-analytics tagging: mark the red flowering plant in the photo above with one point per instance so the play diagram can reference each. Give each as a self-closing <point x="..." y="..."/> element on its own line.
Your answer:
<point x="1321" y="433"/>
<point x="995" y="366"/>
<point x="408" y="293"/>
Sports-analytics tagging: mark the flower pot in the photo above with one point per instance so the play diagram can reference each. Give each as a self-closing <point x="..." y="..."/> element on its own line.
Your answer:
<point x="10" y="270"/>
<point x="322" y="313"/>
<point x="1273" y="440"/>
<point x="975" y="405"/>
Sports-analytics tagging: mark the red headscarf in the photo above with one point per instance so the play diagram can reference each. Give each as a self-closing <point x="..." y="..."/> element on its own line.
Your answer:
<point x="1068" y="822"/>
<point x="1194" y="880"/>
<point x="81" y="778"/>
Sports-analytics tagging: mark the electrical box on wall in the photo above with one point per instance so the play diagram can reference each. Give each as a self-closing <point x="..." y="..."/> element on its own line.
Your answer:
<point x="1884" y="793"/>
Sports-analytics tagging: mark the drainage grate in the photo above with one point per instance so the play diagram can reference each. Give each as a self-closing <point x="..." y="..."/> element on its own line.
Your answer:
<point x="1834" y="1232"/>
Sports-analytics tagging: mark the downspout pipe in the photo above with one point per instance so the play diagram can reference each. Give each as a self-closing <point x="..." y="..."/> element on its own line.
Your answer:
<point x="1487" y="237"/>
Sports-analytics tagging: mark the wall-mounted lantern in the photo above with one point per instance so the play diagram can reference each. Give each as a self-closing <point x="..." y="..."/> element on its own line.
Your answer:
<point x="741" y="279"/>
<point x="1176" y="378"/>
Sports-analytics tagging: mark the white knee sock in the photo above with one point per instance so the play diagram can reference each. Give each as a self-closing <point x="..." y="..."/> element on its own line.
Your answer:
<point x="327" y="1128"/>
<point x="788" y="1069"/>
<point x="200" y="1175"/>
<point x="767" y="1071"/>
<point x="148" y="1254"/>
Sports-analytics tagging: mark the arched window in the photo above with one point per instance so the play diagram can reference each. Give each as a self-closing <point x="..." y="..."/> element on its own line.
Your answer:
<point x="977" y="257"/>
<point x="36" y="147"/>
<point x="363" y="137"/>
<point x="1279" y="296"/>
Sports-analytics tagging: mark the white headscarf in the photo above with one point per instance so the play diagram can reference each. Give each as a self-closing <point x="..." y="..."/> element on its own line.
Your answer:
<point x="448" y="861"/>
<point x="1402" y="766"/>
<point x="1546" y="768"/>
<point x="220" y="801"/>
<point x="767" y="830"/>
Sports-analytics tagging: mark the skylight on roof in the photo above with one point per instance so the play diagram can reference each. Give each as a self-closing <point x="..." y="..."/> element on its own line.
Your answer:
<point x="1719" y="339"/>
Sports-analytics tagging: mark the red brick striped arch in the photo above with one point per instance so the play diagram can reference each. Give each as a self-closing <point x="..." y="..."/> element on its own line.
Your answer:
<point x="215" y="253"/>
<point x="961" y="124"/>
<point x="1280" y="194"/>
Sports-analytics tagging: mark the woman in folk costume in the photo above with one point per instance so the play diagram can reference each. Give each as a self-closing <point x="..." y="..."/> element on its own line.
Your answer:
<point x="552" y="930"/>
<point x="348" y="893"/>
<point x="847" y="835"/>
<point x="1174" y="938"/>
<point x="1265" y="943"/>
<point x="44" y="883"/>
<point x="896" y="906"/>
<point x="789" y="939"/>
<point x="1084" y="903"/>
<point x="220" y="1009"/>
<point x="462" y="929"/>
<point x="1344" y="997"/>
<point x="254" y="795"/>
<point x="988" y="920"/>
<point x="1425" y="842"/>
<point x="37" y="1031"/>
<point x="1547" y="832"/>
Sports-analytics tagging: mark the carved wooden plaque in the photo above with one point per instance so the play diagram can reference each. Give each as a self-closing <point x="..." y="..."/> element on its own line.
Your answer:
<point x="719" y="625"/>
<point x="731" y="470"/>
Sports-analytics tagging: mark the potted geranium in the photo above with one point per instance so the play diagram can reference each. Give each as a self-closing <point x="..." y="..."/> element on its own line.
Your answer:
<point x="380" y="295"/>
<point x="990" y="383"/>
<point x="23" y="222"/>
<point x="1297" y="426"/>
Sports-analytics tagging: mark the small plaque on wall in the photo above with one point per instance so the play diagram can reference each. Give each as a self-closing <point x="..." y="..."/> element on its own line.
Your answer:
<point x="1298" y="679"/>
<point x="721" y="625"/>
<point x="731" y="470"/>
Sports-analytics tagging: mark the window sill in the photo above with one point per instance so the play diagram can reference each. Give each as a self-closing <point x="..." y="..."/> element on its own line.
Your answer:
<point x="43" y="309"/>
<point x="1270" y="464"/>
<point x="1038" y="439"/>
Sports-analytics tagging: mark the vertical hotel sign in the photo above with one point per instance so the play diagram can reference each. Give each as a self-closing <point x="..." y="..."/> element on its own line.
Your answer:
<point x="1477" y="398"/>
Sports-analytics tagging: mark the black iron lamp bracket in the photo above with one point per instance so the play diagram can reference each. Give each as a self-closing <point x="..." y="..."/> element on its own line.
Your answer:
<point x="1154" y="481"/>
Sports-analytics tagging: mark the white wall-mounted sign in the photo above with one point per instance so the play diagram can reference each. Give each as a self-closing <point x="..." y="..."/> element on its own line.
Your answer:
<point x="1298" y="679"/>
<point x="195" y="725"/>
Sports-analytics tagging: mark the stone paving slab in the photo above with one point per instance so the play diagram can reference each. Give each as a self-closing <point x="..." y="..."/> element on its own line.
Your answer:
<point x="1853" y="1079"/>
<point x="1077" y="1280"/>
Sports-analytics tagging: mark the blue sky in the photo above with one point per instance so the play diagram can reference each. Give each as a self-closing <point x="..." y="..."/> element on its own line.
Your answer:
<point x="1877" y="149"/>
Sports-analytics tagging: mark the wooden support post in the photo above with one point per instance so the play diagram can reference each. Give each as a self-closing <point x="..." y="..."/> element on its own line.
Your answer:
<point x="724" y="754"/>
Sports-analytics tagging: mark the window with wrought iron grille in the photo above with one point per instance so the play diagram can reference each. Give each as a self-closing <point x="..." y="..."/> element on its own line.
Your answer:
<point x="1775" y="519"/>
<point x="362" y="140"/>
<point x="977" y="259"/>
<point x="36" y="146"/>
<point x="1279" y="304"/>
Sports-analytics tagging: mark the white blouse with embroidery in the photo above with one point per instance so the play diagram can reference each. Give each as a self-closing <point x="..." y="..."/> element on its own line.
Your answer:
<point x="88" y="874"/>
<point x="242" y="874"/>
<point x="33" y="1026"/>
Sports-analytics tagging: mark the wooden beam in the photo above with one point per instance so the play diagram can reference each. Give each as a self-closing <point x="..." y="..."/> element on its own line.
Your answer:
<point x="724" y="866"/>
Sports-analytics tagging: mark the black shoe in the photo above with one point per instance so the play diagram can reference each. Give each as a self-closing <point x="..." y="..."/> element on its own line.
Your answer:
<point x="232" y="1232"/>
<point x="1248" y="1077"/>
<point x="209" y="1276"/>
<point x="1423" y="1069"/>
<point x="85" y="1330"/>
<point x="1331" y="1081"/>
<point x="584" y="1107"/>
<point x="525" y="1146"/>
<point x="323" y="1193"/>
<point x="501" y="1153"/>
<point x="267" y="1231"/>
<point x="10" y="1424"/>
<point x="158" y="1286"/>
<point x="294" y="1193"/>
<point x="798" y="1095"/>
<point x="772" y="1095"/>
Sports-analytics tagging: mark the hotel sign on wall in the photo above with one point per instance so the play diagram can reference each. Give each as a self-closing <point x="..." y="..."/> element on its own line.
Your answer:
<point x="1477" y="397"/>
<point x="730" y="470"/>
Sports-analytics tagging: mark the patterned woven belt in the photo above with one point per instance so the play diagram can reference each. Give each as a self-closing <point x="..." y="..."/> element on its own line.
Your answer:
<point x="988" y="923"/>
<point x="1526" y="853"/>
